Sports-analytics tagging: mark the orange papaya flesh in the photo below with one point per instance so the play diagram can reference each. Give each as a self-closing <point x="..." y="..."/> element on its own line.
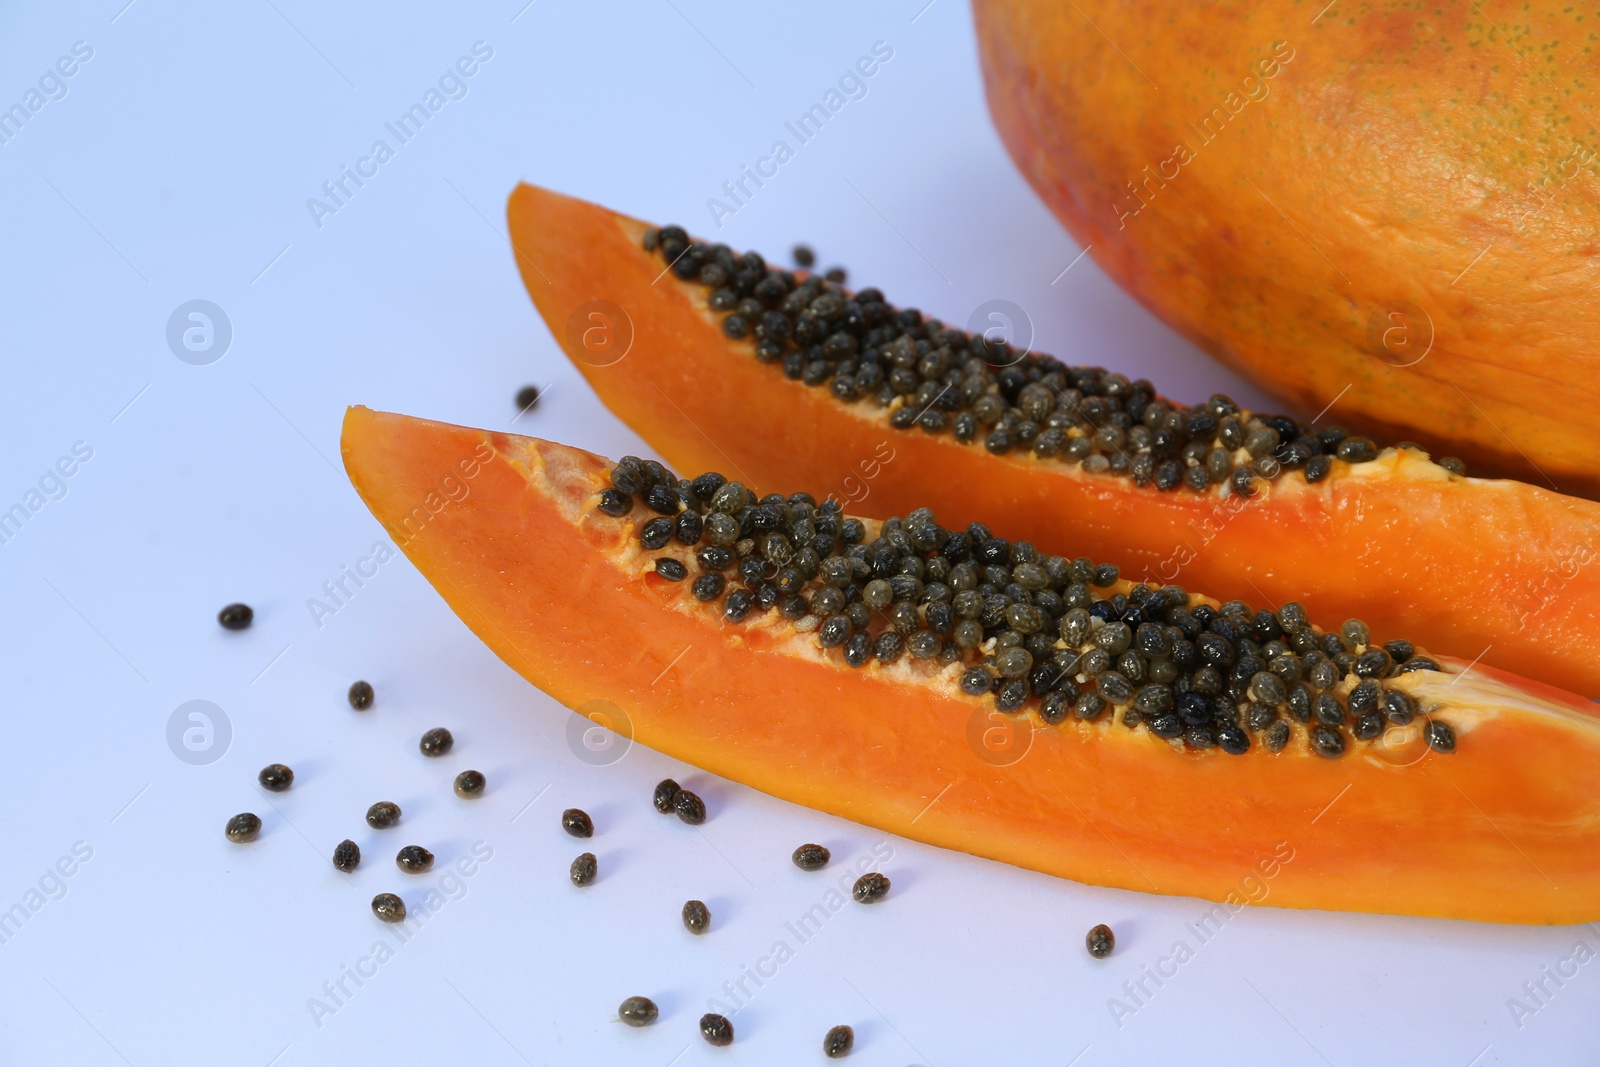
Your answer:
<point x="1497" y="569"/>
<point x="1504" y="827"/>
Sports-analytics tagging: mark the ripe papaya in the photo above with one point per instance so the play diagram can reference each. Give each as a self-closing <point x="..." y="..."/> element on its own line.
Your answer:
<point x="1374" y="206"/>
<point x="888" y="410"/>
<point x="1075" y="723"/>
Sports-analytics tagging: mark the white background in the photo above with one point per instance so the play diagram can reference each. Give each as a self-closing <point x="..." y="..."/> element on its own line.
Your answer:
<point x="177" y="167"/>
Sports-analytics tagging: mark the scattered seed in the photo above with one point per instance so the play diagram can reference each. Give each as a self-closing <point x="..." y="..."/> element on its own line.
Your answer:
<point x="1101" y="941"/>
<point x="389" y="908"/>
<point x="576" y="822"/>
<point x="716" y="1029"/>
<point x="383" y="814"/>
<point x="696" y="916"/>
<point x="527" y="397"/>
<point x="584" y="869"/>
<point x="243" y="827"/>
<point x="346" y="855"/>
<point x="870" y="888"/>
<point x="235" y="616"/>
<point x="437" y="742"/>
<point x="838" y="1042"/>
<point x="666" y="795"/>
<point x="690" y="808"/>
<point x="275" y="777"/>
<point x="811" y="857"/>
<point x="804" y="256"/>
<point x="469" y="784"/>
<point x="639" y="1011"/>
<point x="361" y="695"/>
<point x="414" y="859"/>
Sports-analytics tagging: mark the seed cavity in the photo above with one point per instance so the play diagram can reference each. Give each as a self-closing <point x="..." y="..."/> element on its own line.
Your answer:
<point x="1036" y="634"/>
<point x="926" y="377"/>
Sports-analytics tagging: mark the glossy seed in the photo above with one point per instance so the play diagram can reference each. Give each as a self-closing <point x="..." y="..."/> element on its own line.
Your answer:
<point x="838" y="1042"/>
<point x="389" y="908"/>
<point x="346" y="855"/>
<point x="437" y="742"/>
<point x="383" y="814"/>
<point x="1100" y="941"/>
<point x="275" y="777"/>
<point x="638" y="1011"/>
<point x="583" y="870"/>
<point x="235" y="616"/>
<point x="576" y="822"/>
<point x="361" y="695"/>
<point x="1277" y="736"/>
<point x="670" y="569"/>
<point x="1441" y="736"/>
<point x="1398" y="708"/>
<point x="666" y="795"/>
<point x="870" y="888"/>
<point x="696" y="916"/>
<point x="811" y="857"/>
<point x="690" y="808"/>
<point x="716" y="1029"/>
<point x="469" y="784"/>
<point x="414" y="859"/>
<point x="243" y="827"/>
<point x="1327" y="742"/>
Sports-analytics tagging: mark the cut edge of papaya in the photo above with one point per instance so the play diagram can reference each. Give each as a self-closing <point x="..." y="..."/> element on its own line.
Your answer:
<point x="1474" y="567"/>
<point x="1504" y="829"/>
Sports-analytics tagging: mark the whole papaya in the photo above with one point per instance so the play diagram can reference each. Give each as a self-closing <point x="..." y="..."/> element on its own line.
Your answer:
<point x="1387" y="209"/>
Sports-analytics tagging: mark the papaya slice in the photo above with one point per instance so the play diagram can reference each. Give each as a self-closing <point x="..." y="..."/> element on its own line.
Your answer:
<point x="1115" y="733"/>
<point x="888" y="410"/>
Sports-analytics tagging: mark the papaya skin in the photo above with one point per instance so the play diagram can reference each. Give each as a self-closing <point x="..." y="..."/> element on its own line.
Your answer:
<point x="1395" y="201"/>
<point x="1467" y="566"/>
<point x="1504" y="829"/>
